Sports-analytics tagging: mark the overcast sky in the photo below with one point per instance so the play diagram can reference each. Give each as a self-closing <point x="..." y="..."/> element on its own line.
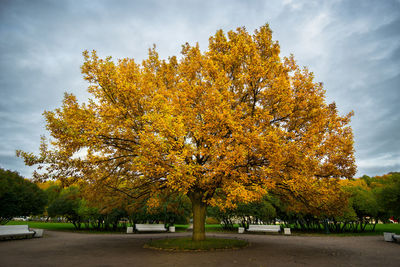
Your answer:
<point x="353" y="47"/>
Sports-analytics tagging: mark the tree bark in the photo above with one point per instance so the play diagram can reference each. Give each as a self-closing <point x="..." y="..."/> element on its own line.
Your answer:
<point x="199" y="216"/>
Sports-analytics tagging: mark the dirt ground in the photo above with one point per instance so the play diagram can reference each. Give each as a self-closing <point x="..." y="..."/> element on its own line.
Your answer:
<point x="75" y="249"/>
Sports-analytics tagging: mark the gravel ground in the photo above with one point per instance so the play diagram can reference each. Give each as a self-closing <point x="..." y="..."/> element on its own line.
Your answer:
<point x="75" y="249"/>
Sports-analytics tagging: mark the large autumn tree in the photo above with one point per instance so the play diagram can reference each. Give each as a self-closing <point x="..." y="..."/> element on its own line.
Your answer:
<point x="222" y="126"/>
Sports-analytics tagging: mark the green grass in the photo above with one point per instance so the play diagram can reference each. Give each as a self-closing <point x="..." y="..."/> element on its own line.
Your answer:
<point x="390" y="227"/>
<point x="70" y="227"/>
<point x="379" y="230"/>
<point x="186" y="244"/>
<point x="45" y="225"/>
<point x="219" y="228"/>
<point x="56" y="226"/>
<point x="181" y="227"/>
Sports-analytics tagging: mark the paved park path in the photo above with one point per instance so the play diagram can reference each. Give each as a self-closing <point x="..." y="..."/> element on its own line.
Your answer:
<point x="75" y="249"/>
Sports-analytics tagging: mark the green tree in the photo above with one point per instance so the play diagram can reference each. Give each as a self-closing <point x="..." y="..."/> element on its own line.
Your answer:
<point x="67" y="205"/>
<point x="175" y="208"/>
<point x="52" y="192"/>
<point x="364" y="203"/>
<point x="255" y="212"/>
<point x="388" y="195"/>
<point x="226" y="215"/>
<point x="19" y="196"/>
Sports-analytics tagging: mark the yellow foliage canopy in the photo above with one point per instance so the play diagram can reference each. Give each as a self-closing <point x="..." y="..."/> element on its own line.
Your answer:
<point x="229" y="124"/>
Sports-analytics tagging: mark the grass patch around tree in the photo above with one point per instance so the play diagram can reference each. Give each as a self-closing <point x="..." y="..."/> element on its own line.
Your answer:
<point x="186" y="244"/>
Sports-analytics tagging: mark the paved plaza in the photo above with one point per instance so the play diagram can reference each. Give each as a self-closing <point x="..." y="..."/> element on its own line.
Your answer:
<point x="76" y="249"/>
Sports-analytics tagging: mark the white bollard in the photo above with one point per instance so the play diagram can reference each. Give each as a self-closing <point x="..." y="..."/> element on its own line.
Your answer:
<point x="129" y="230"/>
<point x="388" y="237"/>
<point x="286" y="231"/>
<point x="240" y="230"/>
<point x="172" y="229"/>
<point x="38" y="233"/>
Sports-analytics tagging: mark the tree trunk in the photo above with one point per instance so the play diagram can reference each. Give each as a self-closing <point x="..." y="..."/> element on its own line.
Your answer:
<point x="199" y="216"/>
<point x="376" y="222"/>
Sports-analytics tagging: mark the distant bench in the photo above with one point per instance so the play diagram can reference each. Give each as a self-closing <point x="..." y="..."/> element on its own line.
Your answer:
<point x="264" y="228"/>
<point x="150" y="228"/>
<point x="15" y="231"/>
<point x="390" y="237"/>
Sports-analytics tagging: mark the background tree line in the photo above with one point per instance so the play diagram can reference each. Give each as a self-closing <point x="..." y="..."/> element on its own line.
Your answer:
<point x="113" y="214"/>
<point x="363" y="202"/>
<point x="368" y="200"/>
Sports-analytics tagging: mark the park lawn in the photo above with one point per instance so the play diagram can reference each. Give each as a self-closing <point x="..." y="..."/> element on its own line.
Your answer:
<point x="379" y="229"/>
<point x="389" y="227"/>
<point x="45" y="225"/>
<point x="59" y="226"/>
<point x="70" y="227"/>
<point x="181" y="227"/>
<point x="219" y="228"/>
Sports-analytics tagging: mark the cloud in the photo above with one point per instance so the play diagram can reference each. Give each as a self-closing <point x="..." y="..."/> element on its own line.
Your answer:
<point x="353" y="47"/>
